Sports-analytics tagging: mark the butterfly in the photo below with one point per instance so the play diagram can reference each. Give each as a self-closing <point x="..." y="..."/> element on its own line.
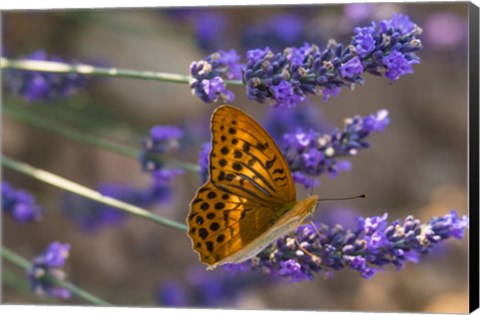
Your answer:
<point x="249" y="199"/>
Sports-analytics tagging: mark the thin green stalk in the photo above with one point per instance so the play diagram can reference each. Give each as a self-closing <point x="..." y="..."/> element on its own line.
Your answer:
<point x="68" y="132"/>
<point x="25" y="264"/>
<point x="84" y="69"/>
<point x="17" y="282"/>
<point x="47" y="124"/>
<point x="78" y="189"/>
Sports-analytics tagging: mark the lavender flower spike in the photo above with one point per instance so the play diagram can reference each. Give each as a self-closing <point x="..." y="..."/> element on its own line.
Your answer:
<point x="286" y="78"/>
<point x="162" y="139"/>
<point x="374" y="244"/>
<point x="20" y="204"/>
<point x="209" y="75"/>
<point x="310" y="153"/>
<point x="37" y="86"/>
<point x="49" y="264"/>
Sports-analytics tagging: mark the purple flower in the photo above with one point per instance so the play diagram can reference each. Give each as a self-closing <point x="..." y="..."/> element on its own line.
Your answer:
<point x="256" y="55"/>
<point x="20" y="204"/>
<point x="366" y="249"/>
<point x="388" y="48"/>
<point x="399" y="22"/>
<point x="397" y="65"/>
<point x="215" y="89"/>
<point x="376" y="122"/>
<point x="330" y="91"/>
<point x="42" y="86"/>
<point x="311" y="153"/>
<point x="293" y="270"/>
<point x="232" y="60"/>
<point x="164" y="133"/>
<point x="364" y="41"/>
<point x="285" y="94"/>
<point x="351" y="68"/>
<point x="208" y="76"/>
<point x="162" y="140"/>
<point x="48" y="265"/>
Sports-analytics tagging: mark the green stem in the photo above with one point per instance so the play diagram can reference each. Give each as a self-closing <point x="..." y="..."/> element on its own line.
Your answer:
<point x="78" y="189"/>
<point x="84" y="69"/>
<point x="70" y="133"/>
<point x="47" y="124"/>
<point x="25" y="264"/>
<point x="17" y="282"/>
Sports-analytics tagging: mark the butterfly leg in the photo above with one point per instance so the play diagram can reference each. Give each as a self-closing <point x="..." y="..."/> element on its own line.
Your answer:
<point x="315" y="227"/>
<point x="314" y="257"/>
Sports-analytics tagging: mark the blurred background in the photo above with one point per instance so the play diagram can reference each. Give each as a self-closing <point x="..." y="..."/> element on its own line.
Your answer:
<point x="417" y="166"/>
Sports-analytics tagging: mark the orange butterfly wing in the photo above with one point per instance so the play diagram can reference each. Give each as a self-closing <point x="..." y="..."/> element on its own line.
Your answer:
<point x="249" y="188"/>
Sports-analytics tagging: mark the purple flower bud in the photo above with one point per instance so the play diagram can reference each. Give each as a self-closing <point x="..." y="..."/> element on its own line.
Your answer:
<point x="351" y="68"/>
<point x="49" y="263"/>
<point x="397" y="65"/>
<point x="20" y="204"/>
<point x="209" y="75"/>
<point x="363" y="39"/>
<point x="162" y="140"/>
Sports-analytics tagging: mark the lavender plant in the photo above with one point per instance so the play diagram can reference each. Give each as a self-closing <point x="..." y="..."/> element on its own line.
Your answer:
<point x="20" y="204"/>
<point x="283" y="79"/>
<point x="209" y="75"/>
<point x="374" y="244"/>
<point x="310" y="153"/>
<point x="49" y="264"/>
<point x="42" y="86"/>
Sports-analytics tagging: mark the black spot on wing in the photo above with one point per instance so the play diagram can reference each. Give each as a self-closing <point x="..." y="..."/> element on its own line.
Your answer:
<point x="269" y="163"/>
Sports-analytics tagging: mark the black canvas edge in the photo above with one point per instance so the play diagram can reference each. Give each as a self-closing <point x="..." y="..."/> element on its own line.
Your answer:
<point x="473" y="157"/>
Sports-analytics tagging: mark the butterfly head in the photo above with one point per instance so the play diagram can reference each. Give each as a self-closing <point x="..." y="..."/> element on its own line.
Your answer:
<point x="309" y="205"/>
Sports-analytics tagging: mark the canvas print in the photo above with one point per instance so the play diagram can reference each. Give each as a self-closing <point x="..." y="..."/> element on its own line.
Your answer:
<point x="301" y="157"/>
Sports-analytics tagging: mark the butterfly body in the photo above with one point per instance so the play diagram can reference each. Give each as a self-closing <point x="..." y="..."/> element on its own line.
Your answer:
<point x="249" y="199"/>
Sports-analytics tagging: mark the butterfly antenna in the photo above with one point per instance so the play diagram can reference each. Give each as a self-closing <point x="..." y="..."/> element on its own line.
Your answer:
<point x="343" y="198"/>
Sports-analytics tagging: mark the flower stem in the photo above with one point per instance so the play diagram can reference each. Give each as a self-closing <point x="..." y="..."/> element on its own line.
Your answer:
<point x="25" y="264"/>
<point x="16" y="282"/>
<point x="47" y="124"/>
<point x="78" y="189"/>
<point x="37" y="121"/>
<point x="84" y="69"/>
